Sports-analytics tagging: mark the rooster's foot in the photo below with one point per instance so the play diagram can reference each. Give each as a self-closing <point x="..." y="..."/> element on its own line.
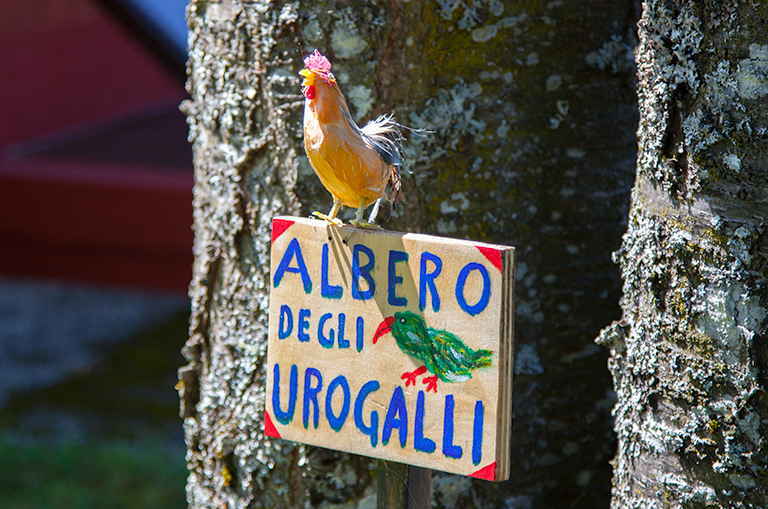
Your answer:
<point x="410" y="376"/>
<point x="359" y="221"/>
<point x="364" y="224"/>
<point x="331" y="220"/>
<point x="431" y="382"/>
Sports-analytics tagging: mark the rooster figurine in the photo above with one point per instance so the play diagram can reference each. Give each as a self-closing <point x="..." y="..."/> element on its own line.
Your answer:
<point x="354" y="164"/>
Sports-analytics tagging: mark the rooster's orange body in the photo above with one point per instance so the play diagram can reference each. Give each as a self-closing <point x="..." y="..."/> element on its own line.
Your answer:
<point x="354" y="164"/>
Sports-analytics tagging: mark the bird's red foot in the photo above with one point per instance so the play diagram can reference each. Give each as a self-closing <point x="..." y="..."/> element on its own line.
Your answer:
<point x="431" y="382"/>
<point x="410" y="376"/>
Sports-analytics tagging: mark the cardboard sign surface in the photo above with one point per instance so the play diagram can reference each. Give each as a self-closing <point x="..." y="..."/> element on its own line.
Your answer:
<point x="391" y="345"/>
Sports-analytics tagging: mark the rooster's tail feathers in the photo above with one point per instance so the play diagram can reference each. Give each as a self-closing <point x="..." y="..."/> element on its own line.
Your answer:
<point x="395" y="187"/>
<point x="384" y="136"/>
<point x="483" y="359"/>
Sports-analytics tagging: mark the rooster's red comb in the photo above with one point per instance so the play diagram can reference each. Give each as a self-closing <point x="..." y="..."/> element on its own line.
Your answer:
<point x="317" y="62"/>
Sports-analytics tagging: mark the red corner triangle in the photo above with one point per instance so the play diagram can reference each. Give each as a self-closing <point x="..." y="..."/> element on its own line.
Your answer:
<point x="269" y="428"/>
<point x="487" y="473"/>
<point x="493" y="255"/>
<point x="279" y="226"/>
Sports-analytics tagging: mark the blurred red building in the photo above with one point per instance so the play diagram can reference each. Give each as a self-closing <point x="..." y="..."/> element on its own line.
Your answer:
<point x="95" y="170"/>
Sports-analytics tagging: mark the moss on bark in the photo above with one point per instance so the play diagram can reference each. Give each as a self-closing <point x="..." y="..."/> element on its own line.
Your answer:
<point x="688" y="357"/>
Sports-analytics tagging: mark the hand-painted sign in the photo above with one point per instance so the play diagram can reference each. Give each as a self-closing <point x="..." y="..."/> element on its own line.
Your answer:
<point x="391" y="345"/>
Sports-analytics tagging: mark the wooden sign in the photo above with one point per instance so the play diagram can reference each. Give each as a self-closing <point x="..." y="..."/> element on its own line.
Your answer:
<point x="391" y="345"/>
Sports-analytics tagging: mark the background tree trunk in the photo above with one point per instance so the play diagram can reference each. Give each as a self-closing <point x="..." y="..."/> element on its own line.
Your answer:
<point x="689" y="359"/>
<point x="533" y="114"/>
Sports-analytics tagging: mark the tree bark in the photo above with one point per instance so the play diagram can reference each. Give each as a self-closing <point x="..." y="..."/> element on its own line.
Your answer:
<point x="532" y="115"/>
<point x="689" y="358"/>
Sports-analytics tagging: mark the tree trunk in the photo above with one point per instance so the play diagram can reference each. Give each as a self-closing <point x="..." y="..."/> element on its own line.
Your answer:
<point x="532" y="115"/>
<point x="689" y="358"/>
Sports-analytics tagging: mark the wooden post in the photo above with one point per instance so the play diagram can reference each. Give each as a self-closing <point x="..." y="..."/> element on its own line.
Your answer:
<point x="402" y="486"/>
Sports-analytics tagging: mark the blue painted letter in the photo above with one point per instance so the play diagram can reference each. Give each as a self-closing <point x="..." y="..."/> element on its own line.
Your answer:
<point x="303" y="325"/>
<point x="284" y="417"/>
<point x="337" y="422"/>
<point x="394" y="280"/>
<point x="328" y="290"/>
<point x="286" y="322"/>
<point x="293" y="249"/>
<point x="449" y="449"/>
<point x="427" y="280"/>
<point x="477" y="434"/>
<point x="397" y="417"/>
<point x="343" y="343"/>
<point x="310" y="395"/>
<point x="420" y="442"/>
<point x="325" y="342"/>
<point x="363" y="271"/>
<point x="486" y="295"/>
<point x="360" y="331"/>
<point x="372" y="430"/>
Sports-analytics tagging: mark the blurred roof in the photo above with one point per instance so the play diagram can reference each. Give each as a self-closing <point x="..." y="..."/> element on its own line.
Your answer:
<point x="95" y="167"/>
<point x="167" y="17"/>
<point x="69" y="62"/>
<point x="159" y="24"/>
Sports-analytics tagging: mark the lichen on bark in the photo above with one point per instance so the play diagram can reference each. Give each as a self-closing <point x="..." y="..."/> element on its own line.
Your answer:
<point x="689" y="355"/>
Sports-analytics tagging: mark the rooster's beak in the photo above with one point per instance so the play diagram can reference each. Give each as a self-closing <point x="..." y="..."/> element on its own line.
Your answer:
<point x="384" y="327"/>
<point x="307" y="75"/>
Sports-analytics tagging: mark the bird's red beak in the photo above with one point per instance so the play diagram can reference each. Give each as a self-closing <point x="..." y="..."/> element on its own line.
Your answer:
<point x="384" y="327"/>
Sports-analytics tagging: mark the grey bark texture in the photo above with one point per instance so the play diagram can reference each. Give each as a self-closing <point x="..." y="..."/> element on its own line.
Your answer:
<point x="690" y="358"/>
<point x="533" y="115"/>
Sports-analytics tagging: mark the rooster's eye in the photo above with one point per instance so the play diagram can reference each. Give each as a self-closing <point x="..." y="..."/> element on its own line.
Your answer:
<point x="402" y="320"/>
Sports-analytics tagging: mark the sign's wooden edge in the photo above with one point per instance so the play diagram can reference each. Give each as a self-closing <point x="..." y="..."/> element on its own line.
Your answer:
<point x="370" y="231"/>
<point x="506" y="359"/>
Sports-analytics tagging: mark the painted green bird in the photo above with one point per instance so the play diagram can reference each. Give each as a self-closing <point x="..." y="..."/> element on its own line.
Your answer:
<point x="444" y="354"/>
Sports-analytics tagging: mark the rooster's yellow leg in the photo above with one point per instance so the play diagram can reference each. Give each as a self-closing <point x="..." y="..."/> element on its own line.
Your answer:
<point x="358" y="220"/>
<point x="331" y="217"/>
<point x="374" y="212"/>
